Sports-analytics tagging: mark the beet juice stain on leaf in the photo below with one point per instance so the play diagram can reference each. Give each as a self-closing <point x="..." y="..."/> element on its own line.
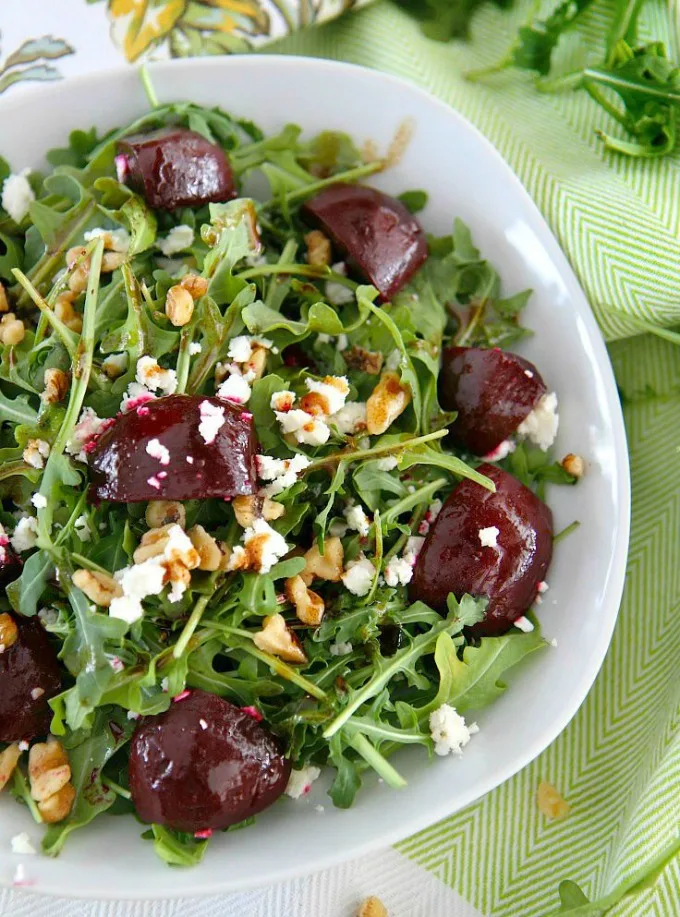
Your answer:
<point x="174" y="167"/>
<point x="496" y="545"/>
<point x="376" y="233"/>
<point x="225" y="768"/>
<point x="161" y="450"/>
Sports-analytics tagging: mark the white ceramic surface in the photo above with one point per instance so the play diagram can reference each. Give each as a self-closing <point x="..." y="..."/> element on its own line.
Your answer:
<point x="465" y="177"/>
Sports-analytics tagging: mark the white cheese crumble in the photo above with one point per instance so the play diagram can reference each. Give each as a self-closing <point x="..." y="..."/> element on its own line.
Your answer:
<point x="300" y="782"/>
<point x="393" y="361"/>
<point x="414" y="546"/>
<point x="212" y="421"/>
<point x="177" y="240"/>
<point x="359" y="575"/>
<point x="21" y="843"/>
<point x="37" y="693"/>
<point x="342" y="343"/>
<point x="336" y="293"/>
<point x="351" y="418"/>
<point x="39" y="501"/>
<point x="116" y="362"/>
<point x="340" y="649"/>
<point x="541" y="425"/>
<point x="25" y="534"/>
<point x="241" y="347"/>
<point x="282" y="473"/>
<point x="89" y="425"/>
<point x="357" y="519"/>
<point x="524" y="624"/>
<point x="135" y="396"/>
<point x="116" y="240"/>
<point x="271" y="546"/>
<point x="194" y="348"/>
<point x="17" y="195"/>
<point x="157" y="450"/>
<point x="137" y="582"/>
<point x="488" y="537"/>
<point x="449" y="731"/>
<point x="337" y="529"/>
<point x="387" y="463"/>
<point x="501" y="451"/>
<point x="36" y="452"/>
<point x="282" y="401"/>
<point x="82" y="528"/>
<point x="334" y="392"/>
<point x="399" y="571"/>
<point x="235" y="389"/>
<point x="153" y="377"/>
<point x="306" y="428"/>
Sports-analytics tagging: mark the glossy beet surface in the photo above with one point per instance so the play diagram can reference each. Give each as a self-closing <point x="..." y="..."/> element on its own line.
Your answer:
<point x="373" y="231"/>
<point x="492" y="391"/>
<point x="204" y="764"/>
<point x="10" y="563"/>
<point x="29" y="664"/>
<point x="453" y="558"/>
<point x="122" y="470"/>
<point x="174" y="168"/>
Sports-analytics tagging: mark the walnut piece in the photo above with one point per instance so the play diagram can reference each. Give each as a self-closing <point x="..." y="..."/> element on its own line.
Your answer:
<point x="309" y="606"/>
<point x="326" y="566"/>
<point x="372" y="907"/>
<point x="9" y="631"/>
<point x="57" y="384"/>
<point x="208" y="549"/>
<point x="276" y="638"/>
<point x="249" y="508"/>
<point x="574" y="465"/>
<point x="318" y="248"/>
<point x="155" y="541"/>
<point x="366" y="361"/>
<point x="165" y="512"/>
<point x="48" y="769"/>
<point x="100" y="588"/>
<point x="389" y="399"/>
<point x="58" y="807"/>
<point x="197" y="286"/>
<point x="9" y="758"/>
<point x="179" y="305"/>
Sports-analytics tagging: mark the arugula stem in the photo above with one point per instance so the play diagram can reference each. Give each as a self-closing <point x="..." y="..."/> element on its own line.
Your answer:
<point x="372" y="756"/>
<point x="183" y="364"/>
<point x="351" y="175"/>
<point x="360" y="454"/>
<point x="566" y="531"/>
<point x="84" y="561"/>
<point x="286" y="256"/>
<point x="377" y="556"/>
<point x="148" y="86"/>
<point x="110" y="784"/>
<point x="68" y="338"/>
<point x="558" y="84"/>
<point x="72" y="518"/>
<point x="191" y="625"/>
<point x="304" y="270"/>
<point x="412" y="500"/>
<point x="21" y="789"/>
<point x="606" y="78"/>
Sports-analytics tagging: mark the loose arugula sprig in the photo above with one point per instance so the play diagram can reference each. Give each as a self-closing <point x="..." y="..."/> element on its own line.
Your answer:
<point x="349" y="711"/>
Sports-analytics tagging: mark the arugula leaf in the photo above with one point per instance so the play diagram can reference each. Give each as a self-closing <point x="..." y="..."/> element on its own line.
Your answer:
<point x="17" y="410"/>
<point x="25" y="592"/>
<point x="176" y="848"/>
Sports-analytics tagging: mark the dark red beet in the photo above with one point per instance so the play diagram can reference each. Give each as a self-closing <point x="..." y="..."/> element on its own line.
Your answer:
<point x="453" y="558"/>
<point x="10" y="563"/>
<point x="194" y="777"/>
<point x="491" y="392"/>
<point x="374" y="231"/>
<point x="175" y="167"/>
<point x="124" y="472"/>
<point x="27" y="666"/>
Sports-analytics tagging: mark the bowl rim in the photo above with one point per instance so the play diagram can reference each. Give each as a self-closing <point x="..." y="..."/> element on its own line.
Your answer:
<point x="617" y="559"/>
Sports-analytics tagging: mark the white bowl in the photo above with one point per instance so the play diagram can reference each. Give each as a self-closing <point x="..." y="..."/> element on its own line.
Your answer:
<point x="465" y="177"/>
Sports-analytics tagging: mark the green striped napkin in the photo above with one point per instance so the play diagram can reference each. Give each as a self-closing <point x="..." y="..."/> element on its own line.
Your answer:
<point x="618" y="220"/>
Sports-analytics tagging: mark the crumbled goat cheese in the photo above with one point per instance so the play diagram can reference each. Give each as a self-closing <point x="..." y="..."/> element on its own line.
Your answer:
<point x="399" y="571"/>
<point x="150" y="374"/>
<point x="238" y="558"/>
<point x="283" y="473"/>
<point x="25" y="535"/>
<point x="553" y="641"/>
<point x="20" y="876"/>
<point x="488" y="537"/>
<point x="393" y="361"/>
<point x="333" y="393"/>
<point x="387" y="463"/>
<point x="358" y="577"/>
<point x="340" y="649"/>
<point x="541" y="425"/>
<point x="336" y="293"/>
<point x="542" y="587"/>
<point x="337" y="529"/>
<point x="300" y="782"/>
<point x="116" y="362"/>
<point x="212" y="421"/>
<point x="235" y="388"/>
<point x="528" y="373"/>
<point x="194" y="348"/>
<point x="177" y="240"/>
<point x="357" y="519"/>
<point x="39" y="501"/>
<point x="89" y="425"/>
<point x="37" y="693"/>
<point x="17" y="195"/>
<point x="323" y="338"/>
<point x="524" y="624"/>
<point x="500" y="452"/>
<point x="35" y="457"/>
<point x="157" y="450"/>
<point x="21" y="843"/>
<point x="342" y="343"/>
<point x="306" y="428"/>
<point x="270" y="547"/>
<point x="282" y="401"/>
<point x="137" y="582"/>
<point x="172" y="266"/>
<point x="116" y="240"/>
<point x="350" y="418"/>
<point x="48" y="617"/>
<point x="449" y="731"/>
<point x="82" y="528"/>
<point x="135" y="396"/>
<point x="240" y="349"/>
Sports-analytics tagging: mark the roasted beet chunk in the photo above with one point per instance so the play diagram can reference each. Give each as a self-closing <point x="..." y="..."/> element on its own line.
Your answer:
<point x="492" y="391"/>
<point x="375" y="232"/>
<point x="204" y="764"/>
<point x="496" y="545"/>
<point x="174" y="168"/>
<point x="29" y="677"/>
<point x="183" y="447"/>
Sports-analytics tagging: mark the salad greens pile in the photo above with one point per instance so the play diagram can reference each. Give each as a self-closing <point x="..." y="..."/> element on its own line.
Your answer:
<point x="377" y="665"/>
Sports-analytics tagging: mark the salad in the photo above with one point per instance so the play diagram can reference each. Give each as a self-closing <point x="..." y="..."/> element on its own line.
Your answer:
<point x="272" y="478"/>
